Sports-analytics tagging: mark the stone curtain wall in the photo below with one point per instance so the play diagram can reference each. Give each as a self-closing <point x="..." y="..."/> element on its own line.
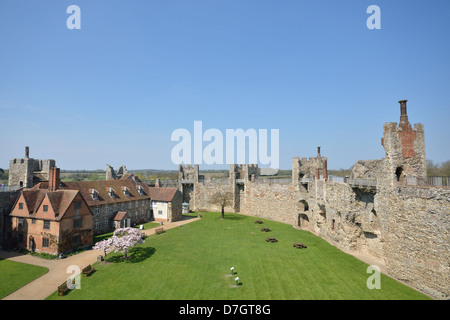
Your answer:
<point x="344" y="216"/>
<point x="7" y="199"/>
<point x="277" y="202"/>
<point x="406" y="227"/>
<point x="203" y="192"/>
<point x="416" y="237"/>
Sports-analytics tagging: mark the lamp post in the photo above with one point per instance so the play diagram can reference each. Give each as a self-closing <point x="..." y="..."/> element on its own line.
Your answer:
<point x="232" y="270"/>
<point x="237" y="280"/>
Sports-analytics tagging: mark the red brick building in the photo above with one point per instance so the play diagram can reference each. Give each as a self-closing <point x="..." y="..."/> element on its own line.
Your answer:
<point x="51" y="220"/>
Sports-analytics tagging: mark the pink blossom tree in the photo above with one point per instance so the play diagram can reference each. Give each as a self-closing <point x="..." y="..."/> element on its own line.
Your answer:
<point x="104" y="245"/>
<point x="126" y="238"/>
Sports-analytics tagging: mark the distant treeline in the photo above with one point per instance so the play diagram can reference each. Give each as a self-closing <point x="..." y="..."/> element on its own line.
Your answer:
<point x="433" y="170"/>
<point x="438" y="169"/>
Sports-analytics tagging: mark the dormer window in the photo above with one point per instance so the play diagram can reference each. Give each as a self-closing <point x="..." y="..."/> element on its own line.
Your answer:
<point x="111" y="192"/>
<point x="126" y="191"/>
<point x="94" y="194"/>
<point x="140" y="190"/>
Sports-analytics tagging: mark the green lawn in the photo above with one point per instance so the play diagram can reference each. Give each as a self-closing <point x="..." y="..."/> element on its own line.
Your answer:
<point x="14" y="275"/>
<point x="193" y="262"/>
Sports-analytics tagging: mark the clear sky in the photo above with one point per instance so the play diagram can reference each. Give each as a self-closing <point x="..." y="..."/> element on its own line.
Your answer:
<point x="115" y="90"/>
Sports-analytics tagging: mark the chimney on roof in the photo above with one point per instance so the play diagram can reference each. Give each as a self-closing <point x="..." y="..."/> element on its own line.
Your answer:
<point x="53" y="179"/>
<point x="157" y="182"/>
<point x="403" y="114"/>
<point x="325" y="169"/>
<point x="318" y="152"/>
<point x="27" y="152"/>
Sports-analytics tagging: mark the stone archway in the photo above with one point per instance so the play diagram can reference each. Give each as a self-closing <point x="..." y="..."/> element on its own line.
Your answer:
<point x="303" y="221"/>
<point x="303" y="205"/>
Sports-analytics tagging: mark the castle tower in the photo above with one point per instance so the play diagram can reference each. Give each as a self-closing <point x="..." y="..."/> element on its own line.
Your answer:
<point x="110" y="173"/>
<point x="26" y="172"/>
<point x="405" y="150"/>
<point x="309" y="168"/>
<point x="187" y="183"/>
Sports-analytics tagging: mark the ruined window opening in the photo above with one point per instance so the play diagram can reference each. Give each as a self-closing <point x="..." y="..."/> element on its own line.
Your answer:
<point x="333" y="222"/>
<point x="303" y="221"/>
<point x="398" y="173"/>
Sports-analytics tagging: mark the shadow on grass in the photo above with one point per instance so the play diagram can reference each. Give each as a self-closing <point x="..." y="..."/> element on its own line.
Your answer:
<point x="233" y="217"/>
<point x="135" y="255"/>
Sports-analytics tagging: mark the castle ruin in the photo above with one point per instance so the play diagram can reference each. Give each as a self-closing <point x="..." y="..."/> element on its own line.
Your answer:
<point x="385" y="209"/>
<point x="27" y="172"/>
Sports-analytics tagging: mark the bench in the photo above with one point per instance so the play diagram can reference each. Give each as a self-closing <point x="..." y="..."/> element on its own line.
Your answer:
<point x="159" y="230"/>
<point x="299" y="245"/>
<point x="87" y="270"/>
<point x="63" y="288"/>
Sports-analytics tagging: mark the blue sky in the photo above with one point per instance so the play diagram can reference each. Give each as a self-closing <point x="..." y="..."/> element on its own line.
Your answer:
<point x="114" y="91"/>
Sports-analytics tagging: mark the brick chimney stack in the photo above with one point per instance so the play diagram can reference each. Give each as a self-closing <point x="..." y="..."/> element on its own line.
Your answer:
<point x="403" y="113"/>
<point x="27" y="152"/>
<point x="325" y="169"/>
<point x="53" y="179"/>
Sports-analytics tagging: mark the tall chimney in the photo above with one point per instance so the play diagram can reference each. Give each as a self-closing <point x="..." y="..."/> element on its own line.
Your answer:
<point x="53" y="179"/>
<point x="403" y="113"/>
<point x="27" y="152"/>
<point x="325" y="170"/>
<point x="318" y="152"/>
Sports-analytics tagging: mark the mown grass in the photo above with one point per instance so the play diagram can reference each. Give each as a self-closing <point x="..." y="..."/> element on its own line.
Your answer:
<point x="14" y="275"/>
<point x="193" y="262"/>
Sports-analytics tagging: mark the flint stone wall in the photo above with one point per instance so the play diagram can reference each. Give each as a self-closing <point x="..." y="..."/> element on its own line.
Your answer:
<point x="416" y="237"/>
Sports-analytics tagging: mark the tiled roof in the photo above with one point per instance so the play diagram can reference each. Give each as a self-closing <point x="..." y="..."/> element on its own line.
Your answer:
<point x="33" y="198"/>
<point x="120" y="215"/>
<point x="103" y="186"/>
<point x="60" y="201"/>
<point x="162" y="194"/>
